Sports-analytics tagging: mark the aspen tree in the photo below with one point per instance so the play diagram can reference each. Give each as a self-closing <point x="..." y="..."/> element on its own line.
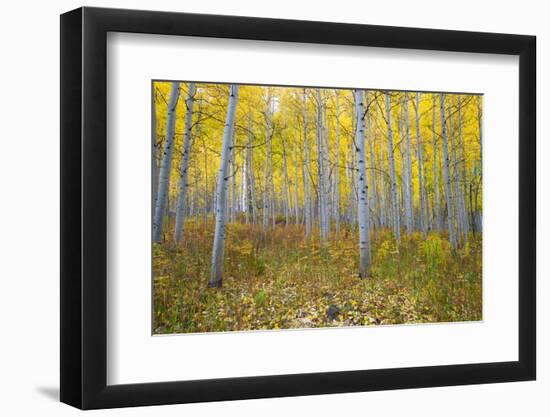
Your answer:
<point x="362" y="191"/>
<point x="220" y="231"/>
<point x="166" y="164"/>
<point x="186" y="157"/>
<point x="447" y="174"/>
<point x="420" y="166"/>
<point x="393" y="182"/>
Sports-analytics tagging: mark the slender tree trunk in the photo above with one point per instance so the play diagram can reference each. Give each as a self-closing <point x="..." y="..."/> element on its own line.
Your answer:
<point x="305" y="167"/>
<point x="154" y="151"/>
<point x="326" y="161"/>
<point x="447" y="173"/>
<point x="393" y="184"/>
<point x="372" y="174"/>
<point x="409" y="203"/>
<point x="166" y="164"/>
<point x="185" y="158"/>
<point x="436" y="205"/>
<point x="383" y="191"/>
<point x="454" y="178"/>
<point x="250" y="202"/>
<point x="221" y="191"/>
<point x="321" y="170"/>
<point x="286" y="191"/>
<point x="420" y="166"/>
<point x="403" y="200"/>
<point x="273" y="200"/>
<point x="362" y="192"/>
<point x="267" y="162"/>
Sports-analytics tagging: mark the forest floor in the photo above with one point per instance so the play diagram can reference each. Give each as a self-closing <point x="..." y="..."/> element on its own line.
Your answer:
<point x="275" y="280"/>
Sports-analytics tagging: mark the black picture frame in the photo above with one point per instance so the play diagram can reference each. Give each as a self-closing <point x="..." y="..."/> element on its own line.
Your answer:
<point x="84" y="207"/>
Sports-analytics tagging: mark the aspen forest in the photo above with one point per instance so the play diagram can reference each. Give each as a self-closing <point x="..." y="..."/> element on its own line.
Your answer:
<point x="292" y="207"/>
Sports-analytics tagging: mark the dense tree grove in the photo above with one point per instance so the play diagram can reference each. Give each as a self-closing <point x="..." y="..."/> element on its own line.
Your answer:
<point x="326" y="165"/>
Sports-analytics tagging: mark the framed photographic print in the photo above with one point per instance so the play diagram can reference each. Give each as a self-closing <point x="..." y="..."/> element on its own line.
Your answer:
<point x="255" y="208"/>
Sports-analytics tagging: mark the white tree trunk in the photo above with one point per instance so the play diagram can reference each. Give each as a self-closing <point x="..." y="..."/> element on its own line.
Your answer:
<point x="436" y="204"/>
<point x="420" y="158"/>
<point x="321" y="170"/>
<point x="166" y="164"/>
<point x="248" y="207"/>
<point x="286" y="187"/>
<point x="251" y="175"/>
<point x="393" y="183"/>
<point x="296" y="186"/>
<point x="326" y="162"/>
<point x="454" y="177"/>
<point x="372" y="174"/>
<point x="305" y="167"/>
<point x="184" y="169"/>
<point x="154" y="150"/>
<point x="383" y="191"/>
<point x="267" y="163"/>
<point x="362" y="189"/>
<point x="409" y="218"/>
<point x="447" y="174"/>
<point x="216" y="273"/>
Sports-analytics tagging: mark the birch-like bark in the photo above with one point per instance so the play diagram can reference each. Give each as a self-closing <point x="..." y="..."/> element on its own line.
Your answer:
<point x="154" y="151"/>
<point x="296" y="185"/>
<point x="267" y="162"/>
<point x="321" y="170"/>
<point x="184" y="169"/>
<point x="251" y="197"/>
<point x="216" y="272"/>
<point x="393" y="183"/>
<point x="436" y="204"/>
<point x="362" y="190"/>
<point x="403" y="207"/>
<point x="373" y="206"/>
<point x="305" y="167"/>
<point x="383" y="191"/>
<point x="454" y="177"/>
<point x="286" y="187"/>
<point x="166" y="164"/>
<point x="447" y="173"/>
<point x="326" y="160"/>
<point x="409" y="196"/>
<point x="420" y="158"/>
<point x="273" y="201"/>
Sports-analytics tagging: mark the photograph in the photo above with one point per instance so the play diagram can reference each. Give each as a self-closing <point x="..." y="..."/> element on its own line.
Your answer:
<point x="291" y="207"/>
